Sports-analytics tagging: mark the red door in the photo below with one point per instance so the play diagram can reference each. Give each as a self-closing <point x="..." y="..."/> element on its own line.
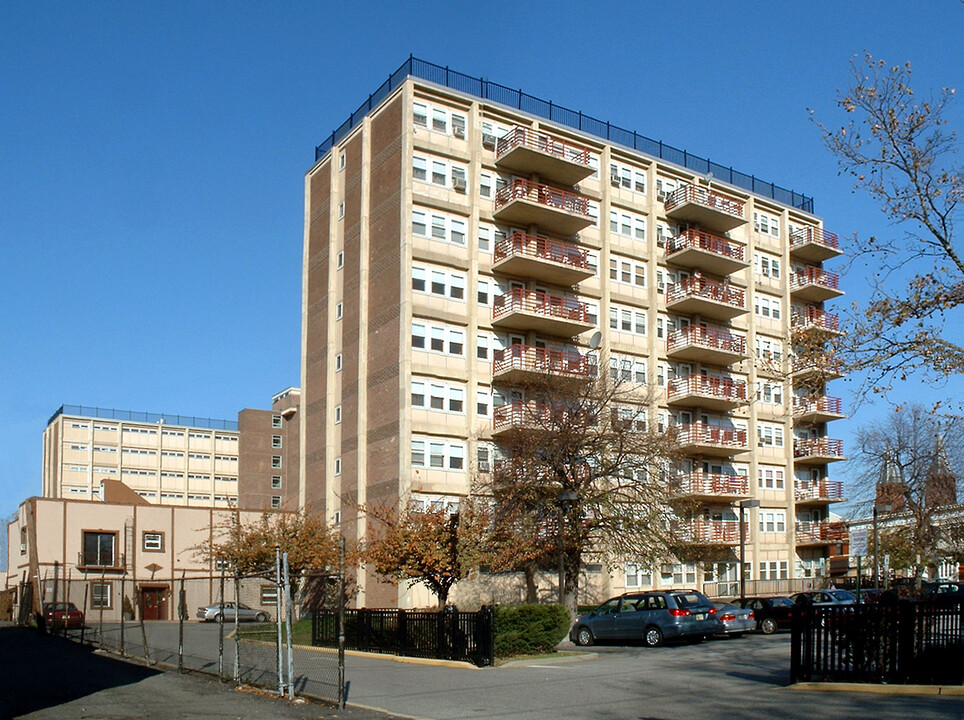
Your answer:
<point x="153" y="603"/>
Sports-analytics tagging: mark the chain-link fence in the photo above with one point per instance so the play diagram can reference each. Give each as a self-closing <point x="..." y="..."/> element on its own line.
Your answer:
<point x="237" y="628"/>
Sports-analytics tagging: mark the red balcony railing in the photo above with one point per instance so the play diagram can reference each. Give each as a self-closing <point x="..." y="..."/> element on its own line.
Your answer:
<point x="717" y="387"/>
<point x="699" y="240"/>
<point x="809" y="490"/>
<point x="706" y="434"/>
<point x="539" y="359"/>
<point x="540" y="303"/>
<point x="811" y="317"/>
<point x="710" y="531"/>
<point x="535" y="246"/>
<point x="815" y="532"/>
<point x="543" y="142"/>
<point x="520" y="414"/>
<point x="698" y="483"/>
<point x="809" y="447"/>
<point x="709" y="338"/>
<point x="811" y="275"/>
<point x="807" y="235"/>
<point x="818" y="404"/>
<point x="547" y="195"/>
<point x="702" y="196"/>
<point x="700" y="287"/>
<point x="827" y="365"/>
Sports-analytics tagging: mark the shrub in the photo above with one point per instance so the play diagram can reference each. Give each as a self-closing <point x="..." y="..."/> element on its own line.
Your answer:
<point x="529" y="629"/>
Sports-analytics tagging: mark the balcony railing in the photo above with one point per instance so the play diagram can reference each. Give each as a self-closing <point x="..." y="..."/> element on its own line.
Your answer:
<point x="817" y="405"/>
<point x="527" y="358"/>
<point x="710" y="532"/>
<point x="700" y="205"/>
<point x="711" y="435"/>
<point x="555" y="261"/>
<point x="529" y="415"/>
<point x="545" y="143"/>
<point x="826" y="367"/>
<point x="727" y="389"/>
<point x="699" y="294"/>
<point x="553" y="197"/>
<point x="818" y="491"/>
<point x="540" y="303"/>
<point x="706" y="338"/>
<point x="814" y="236"/>
<point x="818" y="447"/>
<point x="820" y="532"/>
<point x="811" y="275"/>
<point x="811" y="318"/>
<point x="710" y="484"/>
<point x="699" y="240"/>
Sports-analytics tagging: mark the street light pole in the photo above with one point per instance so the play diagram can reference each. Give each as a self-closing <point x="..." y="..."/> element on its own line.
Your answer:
<point x="743" y="505"/>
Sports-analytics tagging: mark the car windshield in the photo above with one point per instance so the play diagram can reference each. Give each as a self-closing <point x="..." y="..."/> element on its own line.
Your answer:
<point x="59" y="607"/>
<point x="841" y="595"/>
<point x="689" y="599"/>
<point x="781" y="602"/>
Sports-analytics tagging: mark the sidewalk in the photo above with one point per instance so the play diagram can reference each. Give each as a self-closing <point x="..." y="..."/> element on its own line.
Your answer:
<point x="49" y="678"/>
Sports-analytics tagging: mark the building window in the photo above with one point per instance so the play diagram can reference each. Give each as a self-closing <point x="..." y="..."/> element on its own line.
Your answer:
<point x="338" y="362"/>
<point x="337" y="414"/>
<point x="276" y="421"/>
<point x="767" y="307"/>
<point x="340" y="260"/>
<point x="276" y="501"/>
<point x="153" y="541"/>
<point x="770" y="478"/>
<point x="275" y="441"/>
<point x="769" y="434"/>
<point x="337" y="466"/>
<point x="770" y="393"/>
<point x="269" y="594"/>
<point x="772" y="521"/>
<point x="638" y="576"/>
<point x="101" y="595"/>
<point x="99" y="549"/>
<point x="339" y="311"/>
<point x="766" y="265"/>
<point x="341" y="209"/>
<point x="276" y="482"/>
<point x="276" y="461"/>
<point x="341" y="160"/>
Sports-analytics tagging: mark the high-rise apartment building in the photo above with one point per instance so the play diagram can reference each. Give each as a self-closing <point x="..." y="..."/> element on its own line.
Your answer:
<point x="455" y="243"/>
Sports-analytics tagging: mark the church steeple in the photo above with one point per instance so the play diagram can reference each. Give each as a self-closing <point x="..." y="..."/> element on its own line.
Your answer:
<point x="940" y="485"/>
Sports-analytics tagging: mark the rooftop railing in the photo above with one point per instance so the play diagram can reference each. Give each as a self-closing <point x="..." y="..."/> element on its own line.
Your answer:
<point x="144" y="417"/>
<point x="519" y="100"/>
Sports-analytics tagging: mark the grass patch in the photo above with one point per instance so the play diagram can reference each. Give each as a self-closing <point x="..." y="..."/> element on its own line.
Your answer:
<point x="300" y="632"/>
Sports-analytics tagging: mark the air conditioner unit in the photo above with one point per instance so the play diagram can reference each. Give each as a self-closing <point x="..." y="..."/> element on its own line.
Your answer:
<point x="488" y="141"/>
<point x="458" y="184"/>
<point x="666" y="569"/>
<point x="458" y="131"/>
<point x="483" y="466"/>
<point x="614" y="180"/>
<point x="662" y="195"/>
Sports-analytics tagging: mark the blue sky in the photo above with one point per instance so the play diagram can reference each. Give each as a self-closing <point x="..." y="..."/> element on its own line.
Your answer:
<point x="152" y="160"/>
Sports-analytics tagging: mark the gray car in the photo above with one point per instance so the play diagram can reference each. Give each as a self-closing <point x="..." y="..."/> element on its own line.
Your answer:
<point x="734" y="621"/>
<point x="212" y="613"/>
<point x="825" y="598"/>
<point x="648" y="616"/>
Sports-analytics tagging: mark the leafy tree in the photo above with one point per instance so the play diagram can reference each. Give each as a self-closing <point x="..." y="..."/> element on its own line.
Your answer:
<point x="583" y="476"/>
<point x="431" y="546"/>
<point x="898" y="148"/>
<point x="908" y="464"/>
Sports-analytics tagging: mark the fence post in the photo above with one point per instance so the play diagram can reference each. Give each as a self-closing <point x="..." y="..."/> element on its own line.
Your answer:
<point x="122" y="618"/>
<point x="277" y="597"/>
<point x="288" y="614"/>
<point x="86" y="606"/>
<point x="100" y="614"/>
<point x="906" y="633"/>
<point x="341" y="622"/>
<point x="237" y="635"/>
<point x="180" y="625"/>
<point x="221" y="628"/>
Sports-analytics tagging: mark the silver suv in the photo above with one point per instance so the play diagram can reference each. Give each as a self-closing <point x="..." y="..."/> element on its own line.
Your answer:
<point x="652" y="617"/>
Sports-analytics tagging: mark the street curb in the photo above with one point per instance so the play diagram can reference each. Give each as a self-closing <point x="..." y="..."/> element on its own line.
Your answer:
<point x="950" y="690"/>
<point x="564" y="660"/>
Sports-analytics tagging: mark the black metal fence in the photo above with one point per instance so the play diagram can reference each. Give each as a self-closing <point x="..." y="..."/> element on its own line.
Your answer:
<point x="447" y="635"/>
<point x="897" y="642"/>
<point x="488" y="90"/>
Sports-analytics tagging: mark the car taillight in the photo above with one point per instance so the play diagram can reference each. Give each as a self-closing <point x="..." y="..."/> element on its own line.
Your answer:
<point x="728" y="617"/>
<point x="750" y="616"/>
<point x="679" y="612"/>
<point x="712" y="611"/>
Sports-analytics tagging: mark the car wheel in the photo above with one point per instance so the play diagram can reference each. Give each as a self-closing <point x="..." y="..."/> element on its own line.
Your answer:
<point x="653" y="637"/>
<point x="584" y="637"/>
<point x="768" y="626"/>
<point x="218" y="617"/>
<point x="261" y="618"/>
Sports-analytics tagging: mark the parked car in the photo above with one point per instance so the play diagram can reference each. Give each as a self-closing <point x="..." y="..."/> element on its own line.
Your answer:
<point x="943" y="589"/>
<point x="825" y="598"/>
<point x="734" y="621"/>
<point x="212" y="613"/>
<point x="652" y="617"/>
<point x="62" y="615"/>
<point x="771" y="613"/>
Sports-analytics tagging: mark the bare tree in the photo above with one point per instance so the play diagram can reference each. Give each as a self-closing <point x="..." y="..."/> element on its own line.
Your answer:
<point x="584" y="475"/>
<point x="898" y="148"/>
<point x="908" y="465"/>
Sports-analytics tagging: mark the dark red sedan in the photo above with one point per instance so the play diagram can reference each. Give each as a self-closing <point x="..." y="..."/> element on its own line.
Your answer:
<point x="63" y="615"/>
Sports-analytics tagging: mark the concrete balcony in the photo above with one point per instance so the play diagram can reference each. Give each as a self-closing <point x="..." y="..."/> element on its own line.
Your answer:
<point x="705" y="251"/>
<point x="524" y="365"/>
<point x="529" y="418"/>
<point x="706" y="344"/>
<point x="813" y="284"/>
<point x="816" y="371"/>
<point x="702" y="206"/>
<point x="711" y="393"/>
<point x="710" y="487"/>
<point x="535" y="152"/>
<point x="524" y="203"/>
<point x="532" y="256"/>
<point x="711" y="440"/>
<point x="818" y="492"/>
<point x="542" y="312"/>
<point x="710" y="532"/>
<point x="813" y="244"/>
<point x="707" y="298"/>
<point x="813" y="320"/>
<point x="817" y="451"/>
<point x="820" y="533"/>
<point x="817" y="408"/>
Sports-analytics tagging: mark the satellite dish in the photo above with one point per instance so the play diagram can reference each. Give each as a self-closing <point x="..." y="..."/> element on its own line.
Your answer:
<point x="595" y="340"/>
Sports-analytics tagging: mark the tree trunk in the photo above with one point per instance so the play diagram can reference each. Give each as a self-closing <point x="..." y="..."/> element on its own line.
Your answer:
<point x="532" y="589"/>
<point x="570" y="590"/>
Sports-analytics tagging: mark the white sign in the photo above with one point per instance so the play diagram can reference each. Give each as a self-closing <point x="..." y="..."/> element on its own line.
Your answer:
<point x="858" y="541"/>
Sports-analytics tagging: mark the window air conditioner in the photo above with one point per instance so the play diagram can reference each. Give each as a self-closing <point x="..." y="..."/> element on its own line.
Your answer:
<point x="488" y="141"/>
<point x="458" y="184"/>
<point x="458" y="131"/>
<point x="614" y="180"/>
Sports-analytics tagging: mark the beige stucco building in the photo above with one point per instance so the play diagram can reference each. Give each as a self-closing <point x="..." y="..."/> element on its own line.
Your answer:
<point x="455" y="243"/>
